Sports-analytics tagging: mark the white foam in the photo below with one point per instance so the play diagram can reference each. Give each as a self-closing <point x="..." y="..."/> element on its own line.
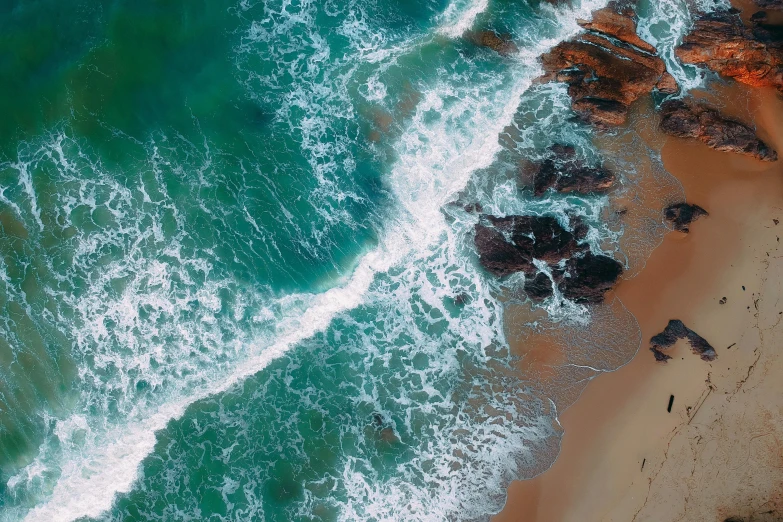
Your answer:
<point x="429" y="175"/>
<point x="459" y="18"/>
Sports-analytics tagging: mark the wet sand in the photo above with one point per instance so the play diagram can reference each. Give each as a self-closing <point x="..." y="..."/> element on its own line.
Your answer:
<point x="719" y="452"/>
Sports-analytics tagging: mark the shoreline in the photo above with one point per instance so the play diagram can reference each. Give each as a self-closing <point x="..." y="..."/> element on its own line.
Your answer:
<point x="616" y="434"/>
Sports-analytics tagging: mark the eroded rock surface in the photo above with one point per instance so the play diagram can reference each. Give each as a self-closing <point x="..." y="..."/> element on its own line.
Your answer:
<point x="608" y="67"/>
<point x="564" y="172"/>
<point x="721" y="42"/>
<point x="688" y="119"/>
<point x="681" y="215"/>
<point x="675" y="331"/>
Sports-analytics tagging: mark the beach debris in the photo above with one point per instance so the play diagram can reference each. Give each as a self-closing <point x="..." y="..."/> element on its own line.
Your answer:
<point x="722" y="301"/>
<point x="511" y="244"/>
<point x="500" y="43"/>
<point x="644" y="461"/>
<point x="608" y="67"/>
<point x="775" y="221"/>
<point x="743" y="288"/>
<point x="680" y="215"/>
<point x="564" y="172"/>
<point x="671" y="402"/>
<point x="689" y="119"/>
<point x="731" y="345"/>
<point x="676" y="330"/>
<point x="721" y="42"/>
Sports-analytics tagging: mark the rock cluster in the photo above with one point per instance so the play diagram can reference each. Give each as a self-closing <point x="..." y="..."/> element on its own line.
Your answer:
<point x="674" y="331"/>
<point x="511" y="244"/>
<point x="721" y="42"/>
<point x="564" y="172"/>
<point x="608" y="67"/>
<point x="688" y="119"/>
<point x="681" y="215"/>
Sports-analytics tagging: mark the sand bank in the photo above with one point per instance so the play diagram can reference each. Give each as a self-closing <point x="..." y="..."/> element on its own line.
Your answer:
<point x="718" y="453"/>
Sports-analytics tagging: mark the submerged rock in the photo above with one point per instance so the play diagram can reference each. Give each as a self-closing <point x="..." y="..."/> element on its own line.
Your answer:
<point x="680" y="215"/>
<point x="500" y="43"/>
<point x="676" y="330"/>
<point x="688" y="119"/>
<point x="607" y="68"/>
<point x="769" y="4"/>
<point x="721" y="42"/>
<point x="564" y="172"/>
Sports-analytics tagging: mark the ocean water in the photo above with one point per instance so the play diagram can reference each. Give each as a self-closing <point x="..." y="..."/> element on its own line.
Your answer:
<point x="236" y="274"/>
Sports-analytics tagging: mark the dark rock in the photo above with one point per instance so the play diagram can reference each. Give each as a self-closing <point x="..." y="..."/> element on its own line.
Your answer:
<point x="721" y="42"/>
<point x="587" y="278"/>
<point x="539" y="287"/>
<point x="759" y="18"/>
<point x="676" y="330"/>
<point x="607" y="68"/>
<point x="687" y="119"/>
<point x="659" y="355"/>
<point x="510" y="244"/>
<point x="500" y="43"/>
<point x="680" y="215"/>
<point x="563" y="172"/>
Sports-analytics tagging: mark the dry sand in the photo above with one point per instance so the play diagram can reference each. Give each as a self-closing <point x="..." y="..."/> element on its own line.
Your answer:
<point x="719" y="452"/>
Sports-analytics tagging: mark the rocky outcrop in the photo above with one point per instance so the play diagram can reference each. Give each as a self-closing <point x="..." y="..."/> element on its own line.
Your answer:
<point x="564" y="172"/>
<point x="675" y="331"/>
<point x="500" y="43"/>
<point x="721" y="42"/>
<point x="608" y="67"/>
<point x="681" y="215"/>
<point x="511" y="244"/>
<point x="587" y="278"/>
<point x="688" y="119"/>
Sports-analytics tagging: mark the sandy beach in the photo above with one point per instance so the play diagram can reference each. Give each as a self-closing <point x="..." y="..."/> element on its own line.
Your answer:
<point x="718" y="453"/>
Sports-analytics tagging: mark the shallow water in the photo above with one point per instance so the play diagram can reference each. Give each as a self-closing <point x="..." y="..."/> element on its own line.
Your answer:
<point x="237" y="278"/>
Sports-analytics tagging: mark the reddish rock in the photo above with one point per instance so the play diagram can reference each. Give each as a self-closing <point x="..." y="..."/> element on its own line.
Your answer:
<point x="619" y="23"/>
<point x="721" y="42"/>
<point x="680" y="215"/>
<point x="687" y="119"/>
<point x="564" y="172"/>
<point x="500" y="43"/>
<point x="607" y="68"/>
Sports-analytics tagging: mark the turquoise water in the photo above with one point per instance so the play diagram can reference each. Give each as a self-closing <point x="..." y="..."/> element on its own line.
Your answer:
<point x="236" y="276"/>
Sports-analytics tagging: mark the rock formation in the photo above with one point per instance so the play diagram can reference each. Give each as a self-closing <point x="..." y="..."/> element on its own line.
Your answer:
<point x="564" y="172"/>
<point x="511" y="244"/>
<point x="687" y="119"/>
<point x="680" y="215"/>
<point x="721" y="42"/>
<point x="608" y="67"/>
<point x="676" y="330"/>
